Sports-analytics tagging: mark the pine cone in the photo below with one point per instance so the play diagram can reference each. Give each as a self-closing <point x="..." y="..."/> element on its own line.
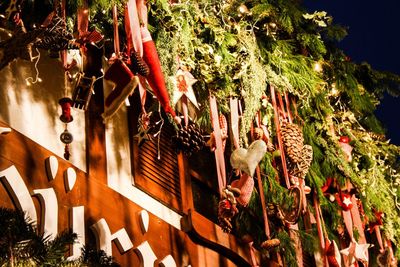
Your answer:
<point x="293" y="141"/>
<point x="300" y="169"/>
<point x="258" y="134"/>
<point x="138" y="65"/>
<point x="269" y="244"/>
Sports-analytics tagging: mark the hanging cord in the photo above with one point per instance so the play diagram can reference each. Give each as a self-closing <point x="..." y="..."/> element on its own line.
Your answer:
<point x="31" y="80"/>
<point x="158" y="133"/>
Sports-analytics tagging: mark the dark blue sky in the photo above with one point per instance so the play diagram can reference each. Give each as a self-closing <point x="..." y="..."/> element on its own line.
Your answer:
<point x="374" y="37"/>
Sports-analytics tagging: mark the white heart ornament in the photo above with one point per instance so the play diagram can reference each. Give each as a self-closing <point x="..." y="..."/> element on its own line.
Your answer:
<point x="247" y="159"/>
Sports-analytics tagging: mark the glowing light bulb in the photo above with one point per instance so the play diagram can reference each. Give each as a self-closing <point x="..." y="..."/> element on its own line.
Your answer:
<point x="318" y="67"/>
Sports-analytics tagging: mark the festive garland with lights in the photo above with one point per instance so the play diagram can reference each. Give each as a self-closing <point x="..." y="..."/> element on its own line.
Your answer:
<point x="238" y="48"/>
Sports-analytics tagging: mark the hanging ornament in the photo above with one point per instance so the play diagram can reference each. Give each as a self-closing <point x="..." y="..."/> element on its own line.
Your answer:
<point x="247" y="159"/>
<point x="83" y="91"/>
<point x="329" y="189"/>
<point x="89" y="37"/>
<point x="227" y="208"/>
<point x="377" y="222"/>
<point x="124" y="80"/>
<point x="344" y="200"/>
<point x="188" y="139"/>
<point x="356" y="252"/>
<point x="300" y="169"/>
<point x="138" y="65"/>
<point x="19" y="45"/>
<point x="246" y="185"/>
<point x="155" y="77"/>
<point x="55" y="37"/>
<point x="270" y="243"/>
<point x="183" y="91"/>
<point x="124" y="84"/>
<point x="223" y="124"/>
<point x="293" y="141"/>
<point x="291" y="210"/>
<point x="332" y="253"/>
<point x="183" y="81"/>
<point x="66" y="104"/>
<point x="346" y="147"/>
<point x="67" y="138"/>
<point x="143" y="128"/>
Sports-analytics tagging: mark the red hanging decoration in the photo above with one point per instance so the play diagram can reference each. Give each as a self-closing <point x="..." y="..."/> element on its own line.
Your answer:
<point x="155" y="77"/>
<point x="66" y="104"/>
<point x="125" y="82"/>
<point x="246" y="186"/>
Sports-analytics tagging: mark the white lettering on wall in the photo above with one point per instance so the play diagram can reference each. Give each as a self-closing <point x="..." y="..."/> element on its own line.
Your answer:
<point x="69" y="179"/>
<point x="77" y="224"/>
<point x="16" y="187"/>
<point x="22" y="199"/>
<point x="51" y="164"/>
<point x="49" y="210"/>
<point x="104" y="237"/>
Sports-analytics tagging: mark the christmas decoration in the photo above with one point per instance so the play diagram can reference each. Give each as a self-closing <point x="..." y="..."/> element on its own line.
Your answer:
<point x="183" y="81"/>
<point x="155" y="77"/>
<point x="83" y="91"/>
<point x="246" y="186"/>
<point x="239" y="53"/>
<point x="356" y="252"/>
<point x="125" y="82"/>
<point x="300" y="169"/>
<point x="137" y="64"/>
<point x="66" y="104"/>
<point x="188" y="138"/>
<point x="227" y="208"/>
<point x="332" y="253"/>
<point x="224" y="134"/>
<point x="143" y="128"/>
<point x="55" y="37"/>
<point x="67" y="138"/>
<point x="19" y="45"/>
<point x="290" y="210"/>
<point x="293" y="141"/>
<point x="247" y="160"/>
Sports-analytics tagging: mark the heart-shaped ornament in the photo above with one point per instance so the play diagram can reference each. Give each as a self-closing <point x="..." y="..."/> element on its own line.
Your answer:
<point x="247" y="160"/>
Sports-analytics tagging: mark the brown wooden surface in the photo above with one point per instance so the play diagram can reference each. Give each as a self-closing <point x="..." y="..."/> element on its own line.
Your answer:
<point x="102" y="202"/>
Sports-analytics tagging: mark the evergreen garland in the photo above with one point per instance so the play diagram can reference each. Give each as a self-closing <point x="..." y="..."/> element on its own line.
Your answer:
<point x="237" y="48"/>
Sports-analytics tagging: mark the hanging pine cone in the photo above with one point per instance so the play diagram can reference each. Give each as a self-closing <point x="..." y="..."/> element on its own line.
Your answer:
<point x="258" y="133"/>
<point x="227" y="208"/>
<point x="188" y="139"/>
<point x="270" y="244"/>
<point x="138" y="65"/>
<point x="306" y="160"/>
<point x="300" y="169"/>
<point x="293" y="141"/>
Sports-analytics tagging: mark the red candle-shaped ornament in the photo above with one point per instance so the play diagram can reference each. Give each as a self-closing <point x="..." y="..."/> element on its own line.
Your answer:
<point x="155" y="77"/>
<point x="66" y="104"/>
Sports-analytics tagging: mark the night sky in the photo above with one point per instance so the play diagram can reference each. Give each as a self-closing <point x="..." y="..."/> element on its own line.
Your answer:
<point x="374" y="37"/>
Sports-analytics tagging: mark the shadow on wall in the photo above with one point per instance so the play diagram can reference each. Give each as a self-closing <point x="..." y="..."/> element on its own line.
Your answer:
<point x="33" y="109"/>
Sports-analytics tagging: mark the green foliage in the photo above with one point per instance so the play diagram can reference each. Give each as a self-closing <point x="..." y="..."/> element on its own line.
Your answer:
<point x="239" y="48"/>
